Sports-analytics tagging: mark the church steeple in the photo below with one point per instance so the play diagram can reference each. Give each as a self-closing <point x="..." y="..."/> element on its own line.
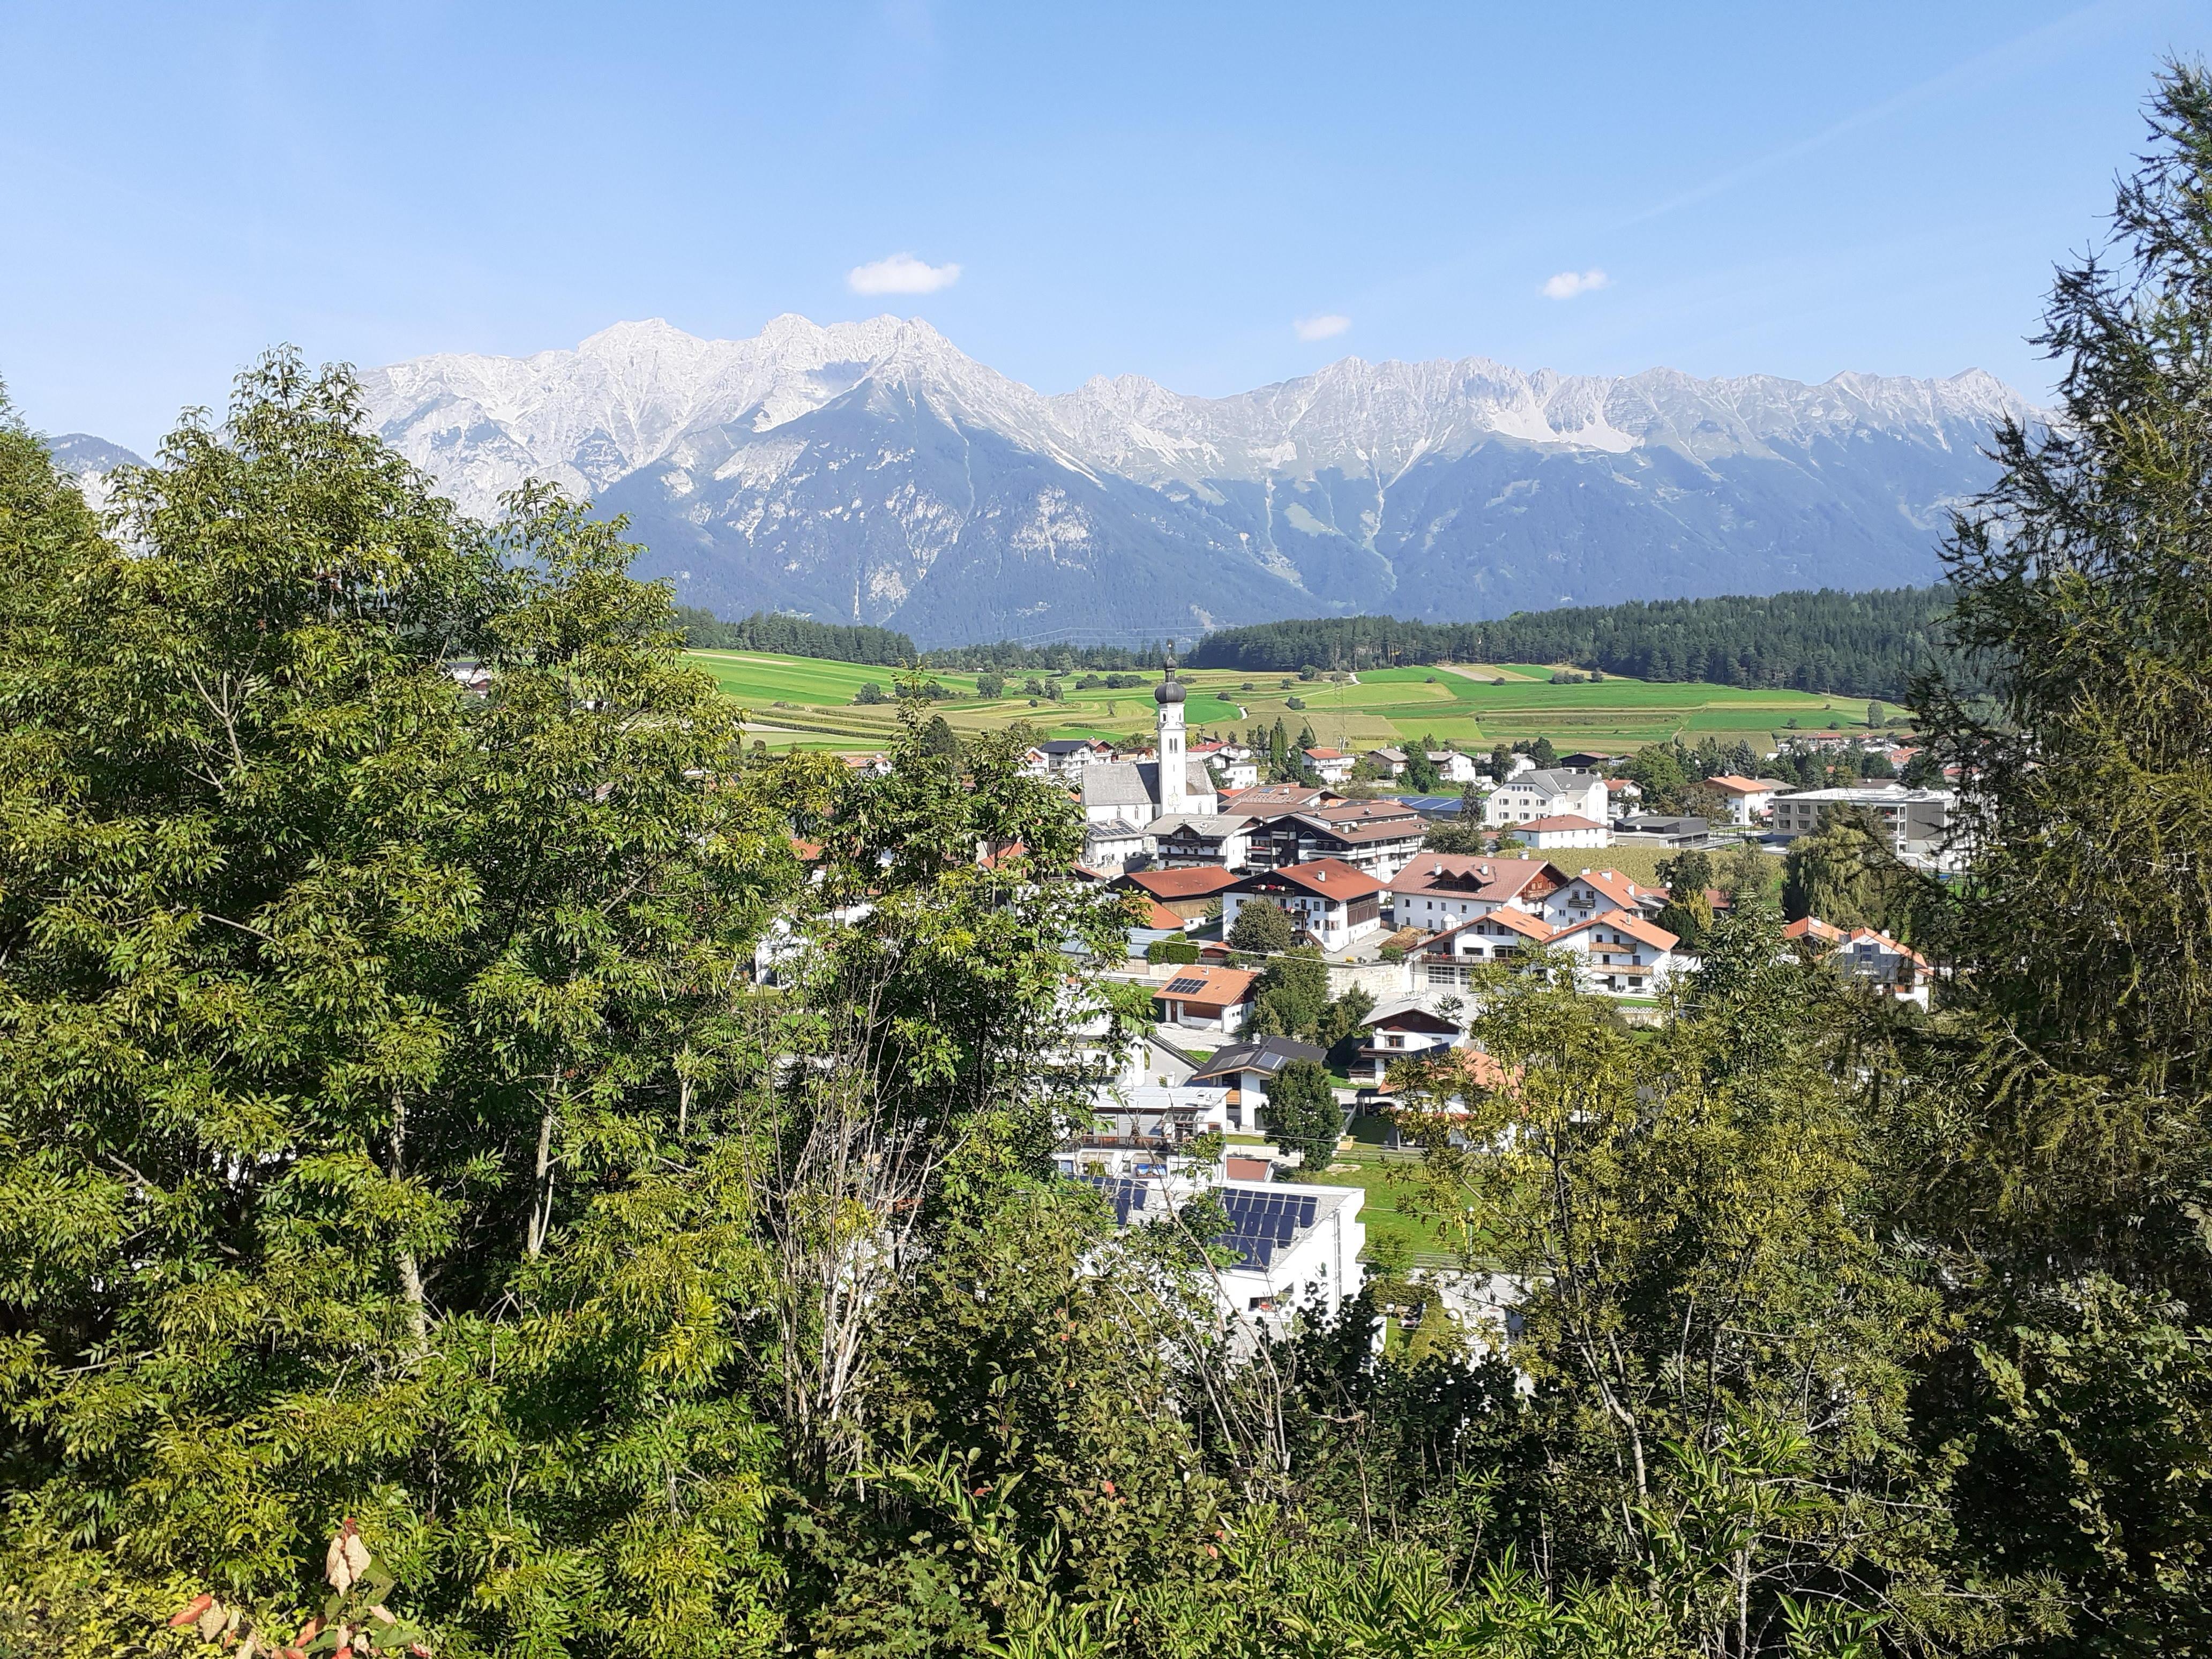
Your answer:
<point x="1174" y="774"/>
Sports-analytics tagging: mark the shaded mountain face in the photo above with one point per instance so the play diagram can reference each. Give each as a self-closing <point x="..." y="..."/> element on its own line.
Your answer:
<point x="871" y="472"/>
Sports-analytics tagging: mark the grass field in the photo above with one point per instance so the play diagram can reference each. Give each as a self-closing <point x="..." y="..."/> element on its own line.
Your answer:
<point x="809" y="703"/>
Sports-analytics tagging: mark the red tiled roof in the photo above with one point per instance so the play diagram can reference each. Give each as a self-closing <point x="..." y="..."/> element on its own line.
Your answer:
<point x="1496" y="879"/>
<point x="1614" y="886"/>
<point x="1326" y="754"/>
<point x="1202" y="881"/>
<point x="1209" y="986"/>
<point x="1563" y="821"/>
<point x="1730" y="783"/>
<point x="1513" y="921"/>
<point x="1635" y="926"/>
<point x="1330" y="878"/>
<point x="1886" y="943"/>
<point x="1159" y="915"/>
<point x="1814" y="928"/>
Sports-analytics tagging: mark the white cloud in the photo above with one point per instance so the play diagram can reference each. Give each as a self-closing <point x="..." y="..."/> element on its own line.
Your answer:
<point x="1327" y="326"/>
<point x="1568" y="283"/>
<point x="901" y="274"/>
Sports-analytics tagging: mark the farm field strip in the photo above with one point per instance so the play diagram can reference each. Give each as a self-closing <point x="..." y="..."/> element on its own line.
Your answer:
<point x="812" y="700"/>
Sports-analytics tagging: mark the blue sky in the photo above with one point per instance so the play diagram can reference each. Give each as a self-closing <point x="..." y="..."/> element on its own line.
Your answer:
<point x="1169" y="190"/>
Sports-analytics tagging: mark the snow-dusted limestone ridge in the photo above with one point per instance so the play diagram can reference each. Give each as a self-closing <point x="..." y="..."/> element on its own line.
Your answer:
<point x="872" y="472"/>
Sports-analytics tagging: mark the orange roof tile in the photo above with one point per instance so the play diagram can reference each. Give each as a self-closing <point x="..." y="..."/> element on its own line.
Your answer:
<point x="1331" y="879"/>
<point x="1636" y="927"/>
<point x="1200" y="881"/>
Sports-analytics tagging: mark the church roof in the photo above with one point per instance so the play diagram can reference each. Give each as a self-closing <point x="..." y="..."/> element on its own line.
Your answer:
<point x="1137" y="783"/>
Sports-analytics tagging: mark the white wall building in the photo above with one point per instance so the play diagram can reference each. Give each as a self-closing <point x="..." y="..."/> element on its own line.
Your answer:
<point x="1566" y="830"/>
<point x="1547" y="794"/>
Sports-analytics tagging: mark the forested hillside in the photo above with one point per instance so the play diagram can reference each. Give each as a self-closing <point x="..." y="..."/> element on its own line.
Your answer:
<point x="1865" y="644"/>
<point x="793" y="636"/>
<point x="420" y="1233"/>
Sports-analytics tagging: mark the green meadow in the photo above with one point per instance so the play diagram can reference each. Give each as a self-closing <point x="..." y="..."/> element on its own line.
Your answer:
<point x="806" y="701"/>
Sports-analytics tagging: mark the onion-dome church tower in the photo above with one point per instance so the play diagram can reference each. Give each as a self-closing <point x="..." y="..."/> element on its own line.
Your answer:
<point x="1174" y="777"/>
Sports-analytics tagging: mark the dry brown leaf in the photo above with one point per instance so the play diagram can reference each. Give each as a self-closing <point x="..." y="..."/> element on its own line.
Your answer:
<point x="189" y="1613"/>
<point x="336" y="1567"/>
<point x="211" y="1621"/>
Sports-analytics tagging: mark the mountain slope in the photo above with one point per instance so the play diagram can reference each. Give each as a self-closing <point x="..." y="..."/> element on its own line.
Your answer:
<point x="871" y="472"/>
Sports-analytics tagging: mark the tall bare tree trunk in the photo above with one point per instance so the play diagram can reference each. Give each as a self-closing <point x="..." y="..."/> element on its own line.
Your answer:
<point x="541" y="1201"/>
<point x="410" y="1270"/>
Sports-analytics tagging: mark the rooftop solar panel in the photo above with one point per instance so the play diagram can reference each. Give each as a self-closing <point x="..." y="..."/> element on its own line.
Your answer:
<point x="1184" y="987"/>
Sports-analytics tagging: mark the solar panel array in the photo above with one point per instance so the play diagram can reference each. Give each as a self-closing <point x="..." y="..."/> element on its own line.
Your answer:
<point x="1122" y="1193"/>
<point x="1260" y="1223"/>
<point x="1184" y="987"/>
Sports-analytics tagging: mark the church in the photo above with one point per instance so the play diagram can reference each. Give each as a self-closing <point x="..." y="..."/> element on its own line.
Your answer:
<point x="1139" y="793"/>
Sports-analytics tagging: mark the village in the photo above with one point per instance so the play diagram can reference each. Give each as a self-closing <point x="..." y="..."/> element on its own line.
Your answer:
<point x="1395" y="899"/>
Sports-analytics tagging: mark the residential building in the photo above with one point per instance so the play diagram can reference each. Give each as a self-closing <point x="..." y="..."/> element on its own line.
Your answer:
<point x="1437" y="891"/>
<point x="1205" y="998"/>
<point x="871" y="766"/>
<point x="1864" y="953"/>
<point x="1546" y="794"/>
<point x="1328" y="900"/>
<point x="1748" y="799"/>
<point x="1138" y="791"/>
<point x="1621" y="795"/>
<point x="1190" y="892"/>
<point x="1220" y="839"/>
<point x="1454" y="767"/>
<point x="1298" y="1252"/>
<point x="1590" y="760"/>
<point x="1246" y="1069"/>
<point x="1377" y="836"/>
<point x="1330" y="765"/>
<point x="1592" y="892"/>
<point x="1112" y="846"/>
<point x="1390" y="762"/>
<point x="1619" y="953"/>
<point x="1498" y="936"/>
<point x="1399" y="1030"/>
<point x="1567" y="830"/>
<point x="1150" y="1117"/>
<point x="1917" y="820"/>
<point x="1066" y="758"/>
<point x="1236" y="774"/>
<point x="1663" y="830"/>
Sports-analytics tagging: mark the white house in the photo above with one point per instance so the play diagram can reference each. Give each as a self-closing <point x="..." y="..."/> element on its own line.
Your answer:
<point x="1245" y="1069"/>
<point x="1137" y="792"/>
<point x="1398" y="1029"/>
<point x="1748" y="799"/>
<point x="1862" y="953"/>
<point x="1390" y="762"/>
<point x="1565" y="830"/>
<point x="1235" y="773"/>
<point x="1547" y="794"/>
<point x="1333" y="905"/>
<point x="1592" y="892"/>
<point x="1500" y="936"/>
<point x="1330" y="765"/>
<point x="1110" y="845"/>
<point x="1620" y="954"/>
<point x="1065" y="757"/>
<point x="1439" y="891"/>
<point x="1205" y="998"/>
<point x="1454" y="767"/>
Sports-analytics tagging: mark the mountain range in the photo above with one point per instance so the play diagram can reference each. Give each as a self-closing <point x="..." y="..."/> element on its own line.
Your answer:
<point x="870" y="471"/>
